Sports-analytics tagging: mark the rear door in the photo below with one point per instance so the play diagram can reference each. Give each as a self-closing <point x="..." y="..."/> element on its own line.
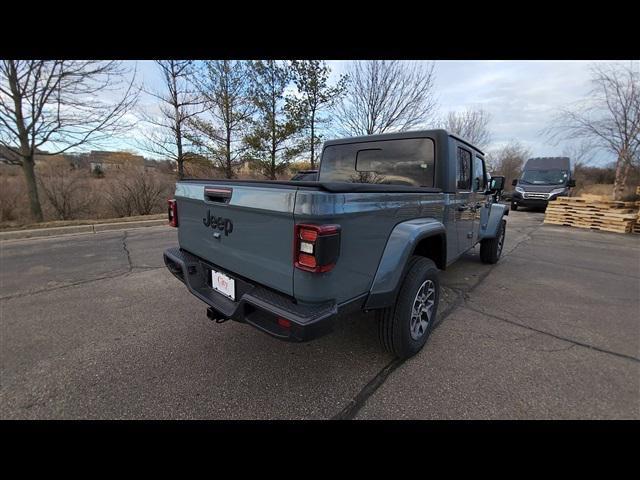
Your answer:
<point x="478" y="198"/>
<point x="464" y="200"/>
<point x="246" y="230"/>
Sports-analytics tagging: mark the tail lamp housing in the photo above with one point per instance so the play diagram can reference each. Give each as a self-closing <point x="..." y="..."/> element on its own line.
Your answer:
<point x="172" y="212"/>
<point x="316" y="247"/>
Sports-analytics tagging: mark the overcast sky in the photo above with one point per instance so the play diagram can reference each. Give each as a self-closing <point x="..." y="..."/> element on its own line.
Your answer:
<point x="520" y="96"/>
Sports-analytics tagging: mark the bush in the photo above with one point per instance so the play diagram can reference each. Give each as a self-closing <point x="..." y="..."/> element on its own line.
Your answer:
<point x="64" y="189"/>
<point x="12" y="192"/>
<point x="138" y="192"/>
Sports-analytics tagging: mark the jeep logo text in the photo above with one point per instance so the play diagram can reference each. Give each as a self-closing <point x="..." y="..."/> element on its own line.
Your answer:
<point x="220" y="223"/>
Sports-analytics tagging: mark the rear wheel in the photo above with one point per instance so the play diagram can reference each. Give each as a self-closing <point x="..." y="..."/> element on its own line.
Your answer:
<point x="491" y="248"/>
<point x="404" y="328"/>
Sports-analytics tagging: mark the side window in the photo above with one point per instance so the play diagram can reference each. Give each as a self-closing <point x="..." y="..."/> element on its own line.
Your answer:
<point x="479" y="177"/>
<point x="464" y="169"/>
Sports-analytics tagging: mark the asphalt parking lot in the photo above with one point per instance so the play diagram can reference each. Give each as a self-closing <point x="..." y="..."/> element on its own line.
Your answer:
<point x="93" y="326"/>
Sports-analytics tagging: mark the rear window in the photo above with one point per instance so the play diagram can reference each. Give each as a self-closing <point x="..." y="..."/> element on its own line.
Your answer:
<point x="407" y="161"/>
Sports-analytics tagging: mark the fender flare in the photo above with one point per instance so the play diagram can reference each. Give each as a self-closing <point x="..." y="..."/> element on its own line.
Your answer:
<point x="490" y="221"/>
<point x="402" y="242"/>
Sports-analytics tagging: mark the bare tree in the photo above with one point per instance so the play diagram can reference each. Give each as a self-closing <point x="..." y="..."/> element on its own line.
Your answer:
<point x="386" y="95"/>
<point x="609" y="117"/>
<point x="508" y="160"/>
<point x="224" y="87"/>
<point x="581" y="153"/>
<point x="178" y="102"/>
<point x="470" y="124"/>
<point x="59" y="105"/>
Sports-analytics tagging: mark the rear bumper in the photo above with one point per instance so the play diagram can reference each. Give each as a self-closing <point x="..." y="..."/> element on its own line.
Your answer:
<point x="254" y="304"/>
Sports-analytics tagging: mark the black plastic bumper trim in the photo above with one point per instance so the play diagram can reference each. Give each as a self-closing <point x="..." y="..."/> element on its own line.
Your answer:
<point x="255" y="304"/>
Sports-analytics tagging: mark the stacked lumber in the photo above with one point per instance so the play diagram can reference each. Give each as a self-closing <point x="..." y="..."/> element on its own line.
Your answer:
<point x="636" y="226"/>
<point x="593" y="212"/>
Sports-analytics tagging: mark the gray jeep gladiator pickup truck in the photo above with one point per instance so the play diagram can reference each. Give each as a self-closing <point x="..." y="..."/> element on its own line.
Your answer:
<point x="386" y="213"/>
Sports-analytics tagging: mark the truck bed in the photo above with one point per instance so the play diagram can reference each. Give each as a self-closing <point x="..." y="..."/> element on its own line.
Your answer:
<point x="333" y="187"/>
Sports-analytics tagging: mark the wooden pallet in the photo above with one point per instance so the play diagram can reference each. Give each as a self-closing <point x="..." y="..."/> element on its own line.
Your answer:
<point x="605" y="228"/>
<point x="596" y="214"/>
<point x="593" y="212"/>
<point x="591" y="209"/>
<point x="579" y="221"/>
<point x="586" y="202"/>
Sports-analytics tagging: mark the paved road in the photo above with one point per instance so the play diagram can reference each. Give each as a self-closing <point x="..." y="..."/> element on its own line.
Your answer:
<point x="94" y="327"/>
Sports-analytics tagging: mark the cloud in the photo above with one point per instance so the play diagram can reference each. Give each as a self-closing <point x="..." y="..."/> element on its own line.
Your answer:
<point x="521" y="96"/>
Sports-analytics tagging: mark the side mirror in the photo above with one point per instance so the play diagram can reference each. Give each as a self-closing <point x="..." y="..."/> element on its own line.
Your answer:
<point x="514" y="182"/>
<point x="496" y="184"/>
<point x="571" y="183"/>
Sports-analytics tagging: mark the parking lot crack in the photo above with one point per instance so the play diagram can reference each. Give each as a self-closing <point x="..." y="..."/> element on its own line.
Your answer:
<point x="75" y="284"/>
<point x="126" y="249"/>
<point x="553" y="335"/>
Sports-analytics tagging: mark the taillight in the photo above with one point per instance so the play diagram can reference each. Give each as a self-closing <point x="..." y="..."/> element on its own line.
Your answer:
<point x="316" y="247"/>
<point x="173" y="212"/>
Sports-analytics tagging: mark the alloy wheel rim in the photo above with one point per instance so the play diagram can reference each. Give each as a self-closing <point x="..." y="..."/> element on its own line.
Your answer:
<point x="501" y="242"/>
<point x="422" y="309"/>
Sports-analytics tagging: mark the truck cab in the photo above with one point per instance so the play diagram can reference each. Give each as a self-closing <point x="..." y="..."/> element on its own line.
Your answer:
<point x="543" y="179"/>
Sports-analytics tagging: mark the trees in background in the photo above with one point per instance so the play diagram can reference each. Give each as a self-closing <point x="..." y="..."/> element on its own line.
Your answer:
<point x="609" y="118"/>
<point x="273" y="139"/>
<point x="385" y="96"/>
<point x="60" y="104"/>
<point x="224" y="86"/>
<point x="470" y="124"/>
<point x="179" y="101"/>
<point x="508" y="160"/>
<point x="315" y="95"/>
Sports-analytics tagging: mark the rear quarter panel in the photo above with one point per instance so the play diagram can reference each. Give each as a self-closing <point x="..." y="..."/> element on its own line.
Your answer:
<point x="367" y="220"/>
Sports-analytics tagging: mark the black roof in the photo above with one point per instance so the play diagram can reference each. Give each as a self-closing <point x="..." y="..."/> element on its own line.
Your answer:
<point x="397" y="135"/>
<point x="545" y="163"/>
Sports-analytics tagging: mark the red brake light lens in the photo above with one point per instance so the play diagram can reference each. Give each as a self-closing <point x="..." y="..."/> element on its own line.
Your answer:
<point x="308" y="235"/>
<point x="316" y="247"/>
<point x="173" y="212"/>
<point x="307" y="260"/>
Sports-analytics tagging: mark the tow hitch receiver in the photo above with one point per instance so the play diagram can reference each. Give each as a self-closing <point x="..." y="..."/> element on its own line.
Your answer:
<point x="214" y="316"/>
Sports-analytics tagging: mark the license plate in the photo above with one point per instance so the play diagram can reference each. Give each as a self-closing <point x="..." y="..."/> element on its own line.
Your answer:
<point x="223" y="284"/>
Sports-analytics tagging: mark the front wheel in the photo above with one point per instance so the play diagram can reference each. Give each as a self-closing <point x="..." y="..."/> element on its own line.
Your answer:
<point x="491" y="248"/>
<point x="514" y="206"/>
<point x="403" y="329"/>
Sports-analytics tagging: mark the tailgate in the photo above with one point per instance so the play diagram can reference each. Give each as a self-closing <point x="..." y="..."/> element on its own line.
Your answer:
<point x="247" y="230"/>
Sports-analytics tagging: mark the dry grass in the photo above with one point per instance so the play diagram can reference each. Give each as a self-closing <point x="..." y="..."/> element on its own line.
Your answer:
<point x="605" y="191"/>
<point x="75" y="197"/>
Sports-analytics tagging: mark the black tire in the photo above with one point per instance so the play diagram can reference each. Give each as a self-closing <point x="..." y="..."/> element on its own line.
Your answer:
<point x="491" y="248"/>
<point x="514" y="206"/>
<point x="394" y="323"/>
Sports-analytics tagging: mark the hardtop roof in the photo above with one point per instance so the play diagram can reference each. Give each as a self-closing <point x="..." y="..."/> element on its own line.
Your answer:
<point x="436" y="132"/>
